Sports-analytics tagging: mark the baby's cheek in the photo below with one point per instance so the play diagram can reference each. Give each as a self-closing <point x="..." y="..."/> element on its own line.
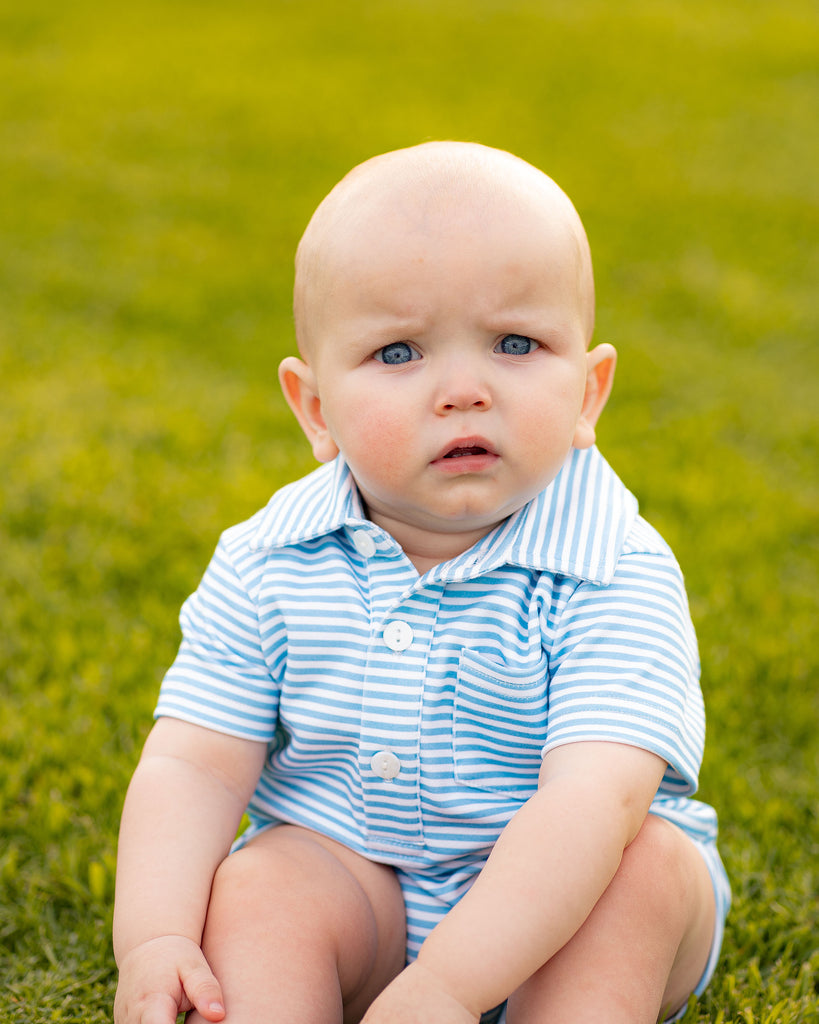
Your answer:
<point x="378" y="441"/>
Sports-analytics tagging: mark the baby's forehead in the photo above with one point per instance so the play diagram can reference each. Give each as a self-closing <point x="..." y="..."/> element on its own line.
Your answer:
<point x="434" y="184"/>
<point x="435" y="187"/>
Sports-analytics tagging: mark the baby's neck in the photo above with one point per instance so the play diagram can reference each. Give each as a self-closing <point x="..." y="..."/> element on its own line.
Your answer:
<point x="428" y="548"/>
<point x="424" y="564"/>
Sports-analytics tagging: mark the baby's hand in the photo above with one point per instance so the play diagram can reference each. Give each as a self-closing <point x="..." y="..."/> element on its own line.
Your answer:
<point x="165" y="977"/>
<point x="417" y="996"/>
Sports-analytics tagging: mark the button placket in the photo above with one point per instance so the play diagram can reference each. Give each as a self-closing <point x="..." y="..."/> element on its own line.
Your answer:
<point x="389" y="753"/>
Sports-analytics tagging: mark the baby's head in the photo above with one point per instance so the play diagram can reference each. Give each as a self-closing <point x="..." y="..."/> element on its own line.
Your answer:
<point x="444" y="305"/>
<point x="428" y="182"/>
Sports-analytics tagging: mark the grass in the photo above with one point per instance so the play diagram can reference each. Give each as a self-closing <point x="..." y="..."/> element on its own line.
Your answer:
<point x="158" y="163"/>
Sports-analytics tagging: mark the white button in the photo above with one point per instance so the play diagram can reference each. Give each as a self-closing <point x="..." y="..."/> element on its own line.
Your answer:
<point x="398" y="635"/>
<point x="364" y="544"/>
<point x="385" y="764"/>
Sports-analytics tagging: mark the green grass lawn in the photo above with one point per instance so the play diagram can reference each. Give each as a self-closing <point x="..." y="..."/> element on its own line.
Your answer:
<point x="158" y="162"/>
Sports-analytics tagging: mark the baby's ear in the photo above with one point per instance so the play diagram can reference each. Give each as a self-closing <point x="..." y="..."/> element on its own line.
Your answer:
<point x="301" y="391"/>
<point x="600" y="363"/>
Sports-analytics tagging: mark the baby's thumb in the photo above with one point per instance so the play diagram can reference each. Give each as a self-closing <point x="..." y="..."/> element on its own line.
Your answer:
<point x="203" y="990"/>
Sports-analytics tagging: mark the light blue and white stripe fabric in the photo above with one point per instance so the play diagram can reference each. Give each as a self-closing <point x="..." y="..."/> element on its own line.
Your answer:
<point x="407" y="716"/>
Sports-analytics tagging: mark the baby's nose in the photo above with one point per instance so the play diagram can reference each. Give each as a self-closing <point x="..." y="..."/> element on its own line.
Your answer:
<point x="461" y="390"/>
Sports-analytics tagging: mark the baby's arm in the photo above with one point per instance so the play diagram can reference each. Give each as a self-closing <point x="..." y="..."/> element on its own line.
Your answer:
<point x="551" y="864"/>
<point x="181" y="813"/>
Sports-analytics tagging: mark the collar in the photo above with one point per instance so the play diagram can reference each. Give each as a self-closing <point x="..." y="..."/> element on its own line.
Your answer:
<point x="576" y="527"/>
<point x="320" y="503"/>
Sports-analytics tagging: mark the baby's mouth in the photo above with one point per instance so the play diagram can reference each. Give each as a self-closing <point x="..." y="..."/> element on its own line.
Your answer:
<point x="460" y="453"/>
<point x="477" y="452"/>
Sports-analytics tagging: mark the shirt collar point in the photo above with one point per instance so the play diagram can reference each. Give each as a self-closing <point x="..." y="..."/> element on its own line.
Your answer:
<point x="320" y="503"/>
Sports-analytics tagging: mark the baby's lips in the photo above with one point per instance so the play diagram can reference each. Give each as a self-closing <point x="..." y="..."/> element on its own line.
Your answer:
<point x="466" y="446"/>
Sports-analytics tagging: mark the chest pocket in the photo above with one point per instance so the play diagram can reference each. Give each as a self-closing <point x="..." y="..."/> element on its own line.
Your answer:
<point x="500" y="721"/>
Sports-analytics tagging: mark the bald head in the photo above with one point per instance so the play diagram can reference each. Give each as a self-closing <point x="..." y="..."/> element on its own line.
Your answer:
<point x="418" y="187"/>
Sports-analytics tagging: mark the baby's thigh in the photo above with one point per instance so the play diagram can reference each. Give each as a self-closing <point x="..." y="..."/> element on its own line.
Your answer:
<point x="297" y="896"/>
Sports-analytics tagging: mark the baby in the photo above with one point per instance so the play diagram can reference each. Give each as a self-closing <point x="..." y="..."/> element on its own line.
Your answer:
<point x="450" y="675"/>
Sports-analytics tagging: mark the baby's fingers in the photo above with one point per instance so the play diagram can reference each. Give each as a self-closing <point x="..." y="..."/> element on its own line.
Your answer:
<point x="157" y="1008"/>
<point x="202" y="989"/>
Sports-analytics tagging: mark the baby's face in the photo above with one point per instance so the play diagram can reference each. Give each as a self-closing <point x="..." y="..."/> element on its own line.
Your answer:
<point x="450" y="355"/>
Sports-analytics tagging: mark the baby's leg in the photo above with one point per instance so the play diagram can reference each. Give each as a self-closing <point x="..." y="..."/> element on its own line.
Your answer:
<point x="300" y="928"/>
<point x="642" y="949"/>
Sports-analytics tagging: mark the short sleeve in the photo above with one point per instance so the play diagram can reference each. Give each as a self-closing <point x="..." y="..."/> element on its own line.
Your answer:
<point x="624" y="668"/>
<point x="221" y="677"/>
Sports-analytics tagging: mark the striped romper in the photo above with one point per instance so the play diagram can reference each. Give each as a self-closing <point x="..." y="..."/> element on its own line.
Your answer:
<point x="407" y="716"/>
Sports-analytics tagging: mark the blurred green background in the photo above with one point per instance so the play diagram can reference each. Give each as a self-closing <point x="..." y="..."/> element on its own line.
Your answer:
<point x="158" y="162"/>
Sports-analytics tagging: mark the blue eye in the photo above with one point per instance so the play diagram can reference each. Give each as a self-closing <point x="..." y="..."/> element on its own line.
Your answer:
<point x="396" y="353"/>
<point x="515" y="345"/>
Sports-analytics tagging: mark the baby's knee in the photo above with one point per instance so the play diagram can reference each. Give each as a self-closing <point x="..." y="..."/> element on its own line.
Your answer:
<point x="270" y="873"/>
<point x="328" y="904"/>
<point x="245" y="880"/>
<point x="290" y="874"/>
<point x="658" y="865"/>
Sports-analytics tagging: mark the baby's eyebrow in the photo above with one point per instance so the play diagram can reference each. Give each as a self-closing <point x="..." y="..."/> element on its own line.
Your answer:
<point x="522" y="320"/>
<point x="392" y="326"/>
